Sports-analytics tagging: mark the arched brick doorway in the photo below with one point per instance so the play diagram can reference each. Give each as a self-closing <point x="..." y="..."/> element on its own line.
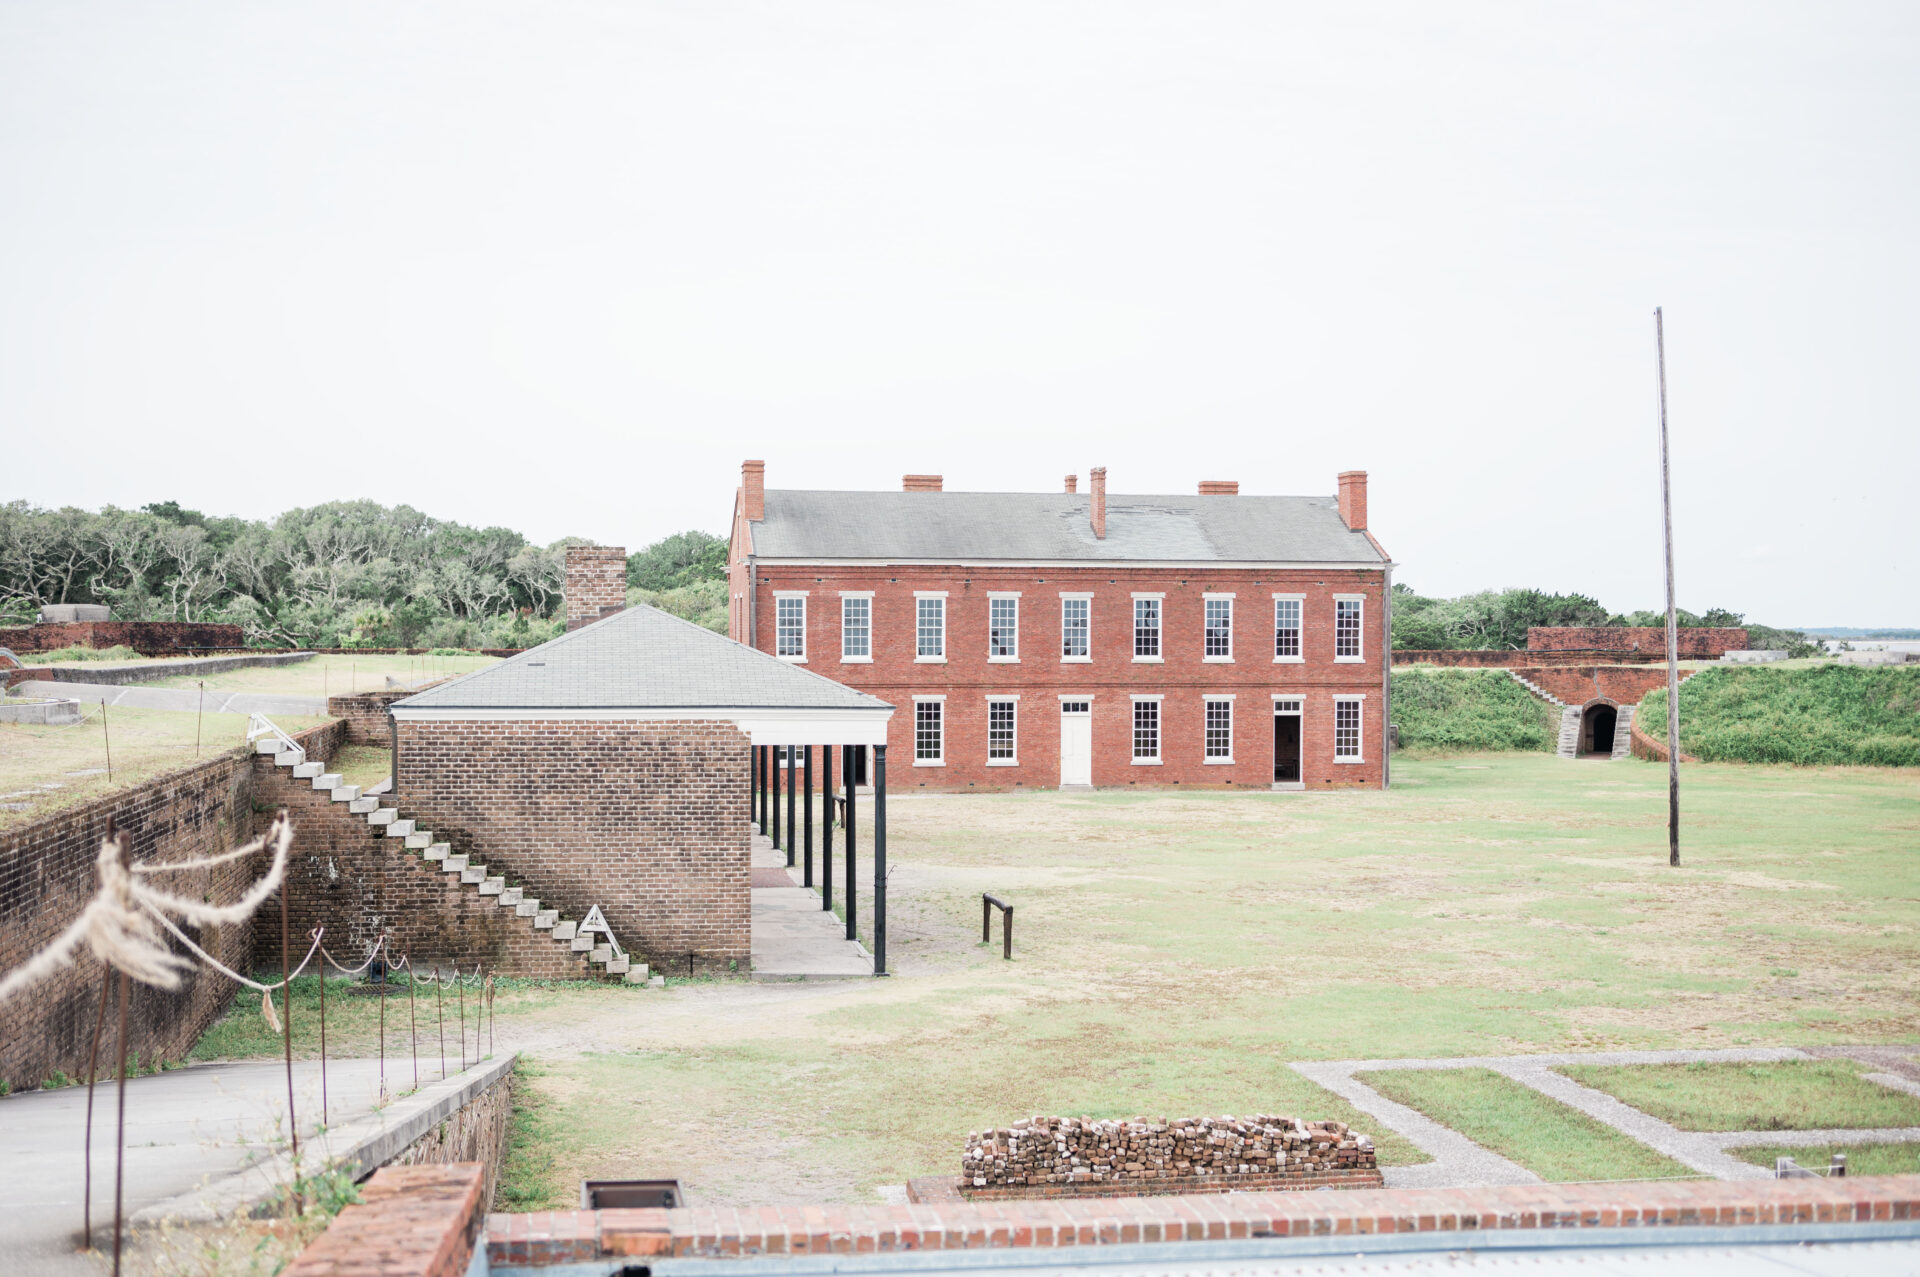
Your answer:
<point x="1598" y="723"/>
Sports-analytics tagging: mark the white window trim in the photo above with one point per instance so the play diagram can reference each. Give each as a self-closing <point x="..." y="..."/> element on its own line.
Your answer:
<point x="856" y="594"/>
<point x="1206" y="697"/>
<point x="790" y="594"/>
<point x="1360" y="757"/>
<point x="1149" y="594"/>
<point x="1086" y="595"/>
<point x="1216" y="660"/>
<point x="1003" y="594"/>
<point x="1160" y="727"/>
<point x="1013" y="700"/>
<point x="1074" y="696"/>
<point x="1361" y="658"/>
<point x="1133" y="628"/>
<point x="930" y="660"/>
<point x="1147" y="696"/>
<point x="929" y="594"/>
<point x="930" y="762"/>
<point x="1301" y="659"/>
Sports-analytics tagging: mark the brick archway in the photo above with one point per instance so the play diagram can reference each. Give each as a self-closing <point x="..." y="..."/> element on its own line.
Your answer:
<point x="1600" y="723"/>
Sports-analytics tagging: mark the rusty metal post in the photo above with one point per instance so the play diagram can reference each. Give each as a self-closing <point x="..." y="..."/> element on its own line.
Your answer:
<point x="120" y="1154"/>
<point x="93" y="1064"/>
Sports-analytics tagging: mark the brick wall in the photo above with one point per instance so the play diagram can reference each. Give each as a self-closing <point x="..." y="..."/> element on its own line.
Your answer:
<point x="360" y="886"/>
<point x="1699" y="643"/>
<point x="596" y="583"/>
<point x="476" y="1133"/>
<point x="149" y="638"/>
<point x="1507" y="658"/>
<point x="411" y="1221"/>
<point x="47" y="876"/>
<point x="1040" y="677"/>
<point x="646" y="819"/>
<point x="1621" y="684"/>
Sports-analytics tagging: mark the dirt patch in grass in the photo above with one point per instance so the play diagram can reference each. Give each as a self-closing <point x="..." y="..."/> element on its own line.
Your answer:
<point x="1798" y="1095"/>
<point x="1547" y="1137"/>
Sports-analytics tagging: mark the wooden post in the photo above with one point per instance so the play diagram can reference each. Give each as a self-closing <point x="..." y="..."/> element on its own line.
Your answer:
<point x="1673" y="630"/>
<point x="105" y="742"/>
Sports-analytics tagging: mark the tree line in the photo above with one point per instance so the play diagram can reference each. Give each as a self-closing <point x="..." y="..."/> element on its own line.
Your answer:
<point x="1501" y="618"/>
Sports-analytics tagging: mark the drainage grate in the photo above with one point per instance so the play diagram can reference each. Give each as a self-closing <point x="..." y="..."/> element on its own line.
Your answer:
<point x="630" y="1194"/>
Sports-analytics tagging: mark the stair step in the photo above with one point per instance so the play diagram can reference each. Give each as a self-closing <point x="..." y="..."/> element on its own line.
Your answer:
<point x="493" y="886"/>
<point x="438" y="851"/>
<point x="420" y="840"/>
<point x="345" y="793"/>
<point x="283" y="757"/>
<point x="362" y="806"/>
<point x="473" y="873"/>
<point x="305" y="771"/>
<point x="564" y="930"/>
<point x="527" y="906"/>
<point x="266" y="747"/>
<point x="382" y="816"/>
<point x="326" y="780"/>
<point x="581" y="943"/>
<point x="602" y="953"/>
<point x="637" y="974"/>
<point x="617" y="966"/>
<point x="511" y="896"/>
<point x="545" y="918"/>
<point x="453" y="864"/>
<point x="399" y="828"/>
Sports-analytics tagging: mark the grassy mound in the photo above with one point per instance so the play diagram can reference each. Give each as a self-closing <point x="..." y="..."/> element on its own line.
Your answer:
<point x="1448" y="709"/>
<point x="69" y="655"/>
<point x="1832" y="714"/>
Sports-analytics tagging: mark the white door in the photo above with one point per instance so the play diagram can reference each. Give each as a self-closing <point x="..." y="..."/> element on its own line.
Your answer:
<point x="1076" y="742"/>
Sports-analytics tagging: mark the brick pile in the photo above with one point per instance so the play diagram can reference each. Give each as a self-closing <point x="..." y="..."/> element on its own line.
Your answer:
<point x="1067" y="1155"/>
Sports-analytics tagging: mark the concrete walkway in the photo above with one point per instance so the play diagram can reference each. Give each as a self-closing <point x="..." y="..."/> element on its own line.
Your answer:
<point x="1458" y="1161"/>
<point x="185" y="699"/>
<point x="793" y="937"/>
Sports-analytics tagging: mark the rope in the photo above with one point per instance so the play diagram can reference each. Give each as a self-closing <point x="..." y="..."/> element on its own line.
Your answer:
<point x="363" y="966"/>
<point x="206" y="862"/>
<point x="228" y="971"/>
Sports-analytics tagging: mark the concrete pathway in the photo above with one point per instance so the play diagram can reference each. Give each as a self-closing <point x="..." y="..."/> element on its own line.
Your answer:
<point x="1458" y="1161"/>
<point x="793" y="937"/>
<point x="175" y="698"/>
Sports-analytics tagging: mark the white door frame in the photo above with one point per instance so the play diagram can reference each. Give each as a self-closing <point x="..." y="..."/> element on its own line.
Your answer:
<point x="1079" y="721"/>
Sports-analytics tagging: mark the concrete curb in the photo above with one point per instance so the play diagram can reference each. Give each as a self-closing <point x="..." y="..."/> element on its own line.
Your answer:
<point x="359" y="1147"/>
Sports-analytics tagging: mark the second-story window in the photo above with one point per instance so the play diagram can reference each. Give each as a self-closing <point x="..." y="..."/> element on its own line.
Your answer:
<point x="1146" y="629"/>
<point x="790" y="626"/>
<point x="1219" y="629"/>
<point x="1076" y="628"/>
<point x="930" y="628"/>
<point x="1346" y="628"/>
<point x="1003" y="627"/>
<point x="1286" y="629"/>
<point x="856" y="628"/>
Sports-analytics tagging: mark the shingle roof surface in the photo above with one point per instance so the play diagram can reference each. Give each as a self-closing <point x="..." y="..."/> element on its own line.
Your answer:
<point x="1049" y="526"/>
<point x="642" y="658"/>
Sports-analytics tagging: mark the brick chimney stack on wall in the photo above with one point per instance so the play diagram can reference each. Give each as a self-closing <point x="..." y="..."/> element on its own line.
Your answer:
<point x="753" y="486"/>
<point x="920" y="483"/>
<point x="1353" y="499"/>
<point x="1219" y="487"/>
<point x="1097" y="481"/>
<point x="596" y="583"/>
<point x="1073" y="483"/>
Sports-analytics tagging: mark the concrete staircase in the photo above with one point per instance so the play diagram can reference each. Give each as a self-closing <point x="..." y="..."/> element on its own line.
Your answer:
<point x="389" y="823"/>
<point x="1569" y="746"/>
<point x="1623" y="731"/>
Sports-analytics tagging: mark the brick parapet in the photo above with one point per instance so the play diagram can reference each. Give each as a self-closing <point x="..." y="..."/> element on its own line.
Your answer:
<point x="1695" y="643"/>
<point x="1508" y="658"/>
<point x="149" y="638"/>
<point x="1620" y="684"/>
<point x="411" y="1221"/>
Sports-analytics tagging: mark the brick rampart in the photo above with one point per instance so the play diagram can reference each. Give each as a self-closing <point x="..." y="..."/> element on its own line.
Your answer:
<point x="365" y="713"/>
<point x="1508" y="658"/>
<point x="149" y="638"/>
<point x="1696" y="643"/>
<point x="47" y="875"/>
<point x="411" y="1221"/>
<point x="1621" y="684"/>
<point x="646" y="819"/>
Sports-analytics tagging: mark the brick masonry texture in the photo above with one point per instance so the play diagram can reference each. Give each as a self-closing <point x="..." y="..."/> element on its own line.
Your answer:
<point x="412" y="1221"/>
<point x="1697" y="644"/>
<point x="1621" y="684"/>
<point x="1040" y="677"/>
<point x="1495" y="658"/>
<point x="647" y="819"/>
<point x="596" y="583"/>
<point x="1067" y="1156"/>
<point x="476" y="1134"/>
<point x="47" y="876"/>
<point x="149" y="638"/>
<point x="561" y="1237"/>
<point x="366" y="714"/>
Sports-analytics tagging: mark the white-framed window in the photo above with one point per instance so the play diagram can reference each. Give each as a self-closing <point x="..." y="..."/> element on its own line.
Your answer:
<point x="1286" y="627"/>
<point x="1076" y="627"/>
<point x="1347" y="612"/>
<point x="930" y="625"/>
<point x="1346" y="729"/>
<point x="1146" y="730"/>
<point x="1003" y="627"/>
<point x="1288" y="704"/>
<point x="1003" y="731"/>
<point x="1219" y="627"/>
<point x="1219" y="729"/>
<point x="856" y="627"/>
<point x="1146" y="627"/>
<point x="790" y="625"/>
<point x="929" y="731"/>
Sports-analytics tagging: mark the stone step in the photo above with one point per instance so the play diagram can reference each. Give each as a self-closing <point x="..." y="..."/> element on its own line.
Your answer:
<point x="453" y="864"/>
<point x="564" y="930"/>
<point x="581" y="943"/>
<point x="283" y="757"/>
<point x="399" y="828"/>
<point x="363" y="806"/>
<point x="511" y="896"/>
<point x="493" y="886"/>
<point x="473" y="873"/>
<point x="601" y="953"/>
<point x="382" y="816"/>
<point x="326" y="780"/>
<point x="419" y="840"/>
<point x="618" y="966"/>
<point x="268" y="746"/>
<point x="636" y="974"/>
<point x="345" y="793"/>
<point x="527" y="906"/>
<point x="545" y="918"/>
<point x="305" y="771"/>
<point x="438" y="851"/>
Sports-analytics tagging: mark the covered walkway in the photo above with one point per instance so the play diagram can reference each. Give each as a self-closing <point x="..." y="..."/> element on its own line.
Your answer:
<point x="789" y="801"/>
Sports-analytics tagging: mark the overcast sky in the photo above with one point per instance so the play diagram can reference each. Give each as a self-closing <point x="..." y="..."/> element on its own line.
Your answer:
<point x="562" y="266"/>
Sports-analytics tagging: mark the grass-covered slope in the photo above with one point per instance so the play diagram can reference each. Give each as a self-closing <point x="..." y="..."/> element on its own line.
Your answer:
<point x="1825" y="715"/>
<point x="1447" y="709"/>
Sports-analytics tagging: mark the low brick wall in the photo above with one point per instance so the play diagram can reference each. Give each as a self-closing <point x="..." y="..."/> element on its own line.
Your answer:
<point x="1070" y="1157"/>
<point x="1701" y="643"/>
<point x="1621" y="684"/>
<point x="1641" y="745"/>
<point x="149" y="638"/>
<point x="412" y="1221"/>
<point x="1509" y="659"/>
<point x="118" y="675"/>
<point x="366" y="715"/>
<point x="477" y="1133"/>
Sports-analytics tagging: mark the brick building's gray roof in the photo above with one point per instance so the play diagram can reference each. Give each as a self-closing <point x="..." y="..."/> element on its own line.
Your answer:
<point x="950" y="527"/>
<point x="643" y="658"/>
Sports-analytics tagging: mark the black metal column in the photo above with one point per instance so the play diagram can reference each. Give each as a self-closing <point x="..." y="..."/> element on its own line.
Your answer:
<point x="826" y="827"/>
<point x="806" y="816"/>
<point x="790" y="788"/>
<point x="773" y="810"/>
<point x="879" y="859"/>
<point x="853" y="933"/>
<point x="753" y="803"/>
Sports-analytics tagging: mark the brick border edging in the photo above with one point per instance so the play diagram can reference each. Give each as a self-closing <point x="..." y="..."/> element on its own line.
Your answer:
<point x="561" y="1237"/>
<point x="412" y="1221"/>
<point x="953" y="1189"/>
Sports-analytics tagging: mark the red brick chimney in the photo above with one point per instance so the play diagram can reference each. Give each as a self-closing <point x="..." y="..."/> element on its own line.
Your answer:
<point x="1353" y="499"/>
<point x="1097" y="481"/>
<point x="1219" y="487"/>
<point x="1073" y="483"/>
<point x="753" y="487"/>
<point x="920" y="483"/>
<point x="596" y="583"/>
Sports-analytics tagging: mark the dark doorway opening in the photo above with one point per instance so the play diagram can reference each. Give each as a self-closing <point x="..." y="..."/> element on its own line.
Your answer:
<point x="855" y="757"/>
<point x="1600" y="724"/>
<point x="1286" y="749"/>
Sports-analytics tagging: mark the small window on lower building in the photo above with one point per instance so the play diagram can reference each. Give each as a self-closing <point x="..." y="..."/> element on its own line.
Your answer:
<point x="1346" y="729"/>
<point x="929" y="732"/>
<point x="1219" y="729"/>
<point x="1146" y="730"/>
<point x="1002" y="727"/>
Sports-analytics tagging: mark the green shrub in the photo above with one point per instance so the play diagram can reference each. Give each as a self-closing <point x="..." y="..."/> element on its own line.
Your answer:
<point x="1448" y="709"/>
<point x="68" y="655"/>
<point x="1830" y="714"/>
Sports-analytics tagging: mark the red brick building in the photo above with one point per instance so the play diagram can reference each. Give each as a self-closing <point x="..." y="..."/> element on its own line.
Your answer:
<point x="1065" y="639"/>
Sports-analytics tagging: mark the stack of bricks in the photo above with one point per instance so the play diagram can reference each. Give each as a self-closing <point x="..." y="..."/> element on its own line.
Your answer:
<point x="1064" y="1156"/>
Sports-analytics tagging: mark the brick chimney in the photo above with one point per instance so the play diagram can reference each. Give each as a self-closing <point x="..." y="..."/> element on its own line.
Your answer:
<point x="1219" y="487"/>
<point x="753" y="486"/>
<point x="596" y="583"/>
<point x="1073" y="483"/>
<point x="1353" y="499"/>
<point x="1097" y="482"/>
<point x="920" y="483"/>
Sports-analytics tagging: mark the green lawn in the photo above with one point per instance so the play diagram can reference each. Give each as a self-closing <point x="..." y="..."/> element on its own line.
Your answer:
<point x="1862" y="1159"/>
<point x="1550" y="1139"/>
<point x="1175" y="950"/>
<point x="333" y="675"/>
<point x="1800" y="1095"/>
